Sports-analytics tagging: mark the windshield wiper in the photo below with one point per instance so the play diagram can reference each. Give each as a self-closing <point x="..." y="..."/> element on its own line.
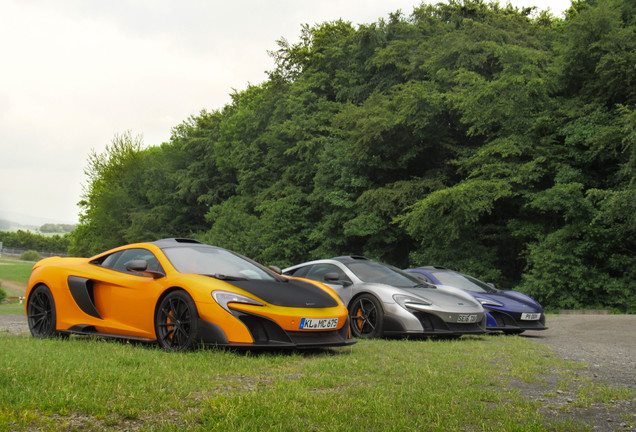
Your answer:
<point x="226" y="277"/>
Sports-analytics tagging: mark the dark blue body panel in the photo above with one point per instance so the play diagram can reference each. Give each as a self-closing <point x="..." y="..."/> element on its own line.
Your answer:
<point x="507" y="311"/>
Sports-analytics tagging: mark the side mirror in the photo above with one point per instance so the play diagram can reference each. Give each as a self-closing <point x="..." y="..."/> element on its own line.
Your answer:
<point x="335" y="279"/>
<point x="138" y="265"/>
<point x="331" y="277"/>
<point x="275" y="269"/>
<point x="141" y="266"/>
<point x="491" y="285"/>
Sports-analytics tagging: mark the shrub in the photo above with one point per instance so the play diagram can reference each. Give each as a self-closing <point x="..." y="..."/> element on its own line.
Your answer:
<point x="30" y="255"/>
<point x="3" y="295"/>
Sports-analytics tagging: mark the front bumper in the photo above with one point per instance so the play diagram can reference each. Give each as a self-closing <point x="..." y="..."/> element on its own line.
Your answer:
<point x="267" y="334"/>
<point x="507" y="322"/>
<point x="399" y="321"/>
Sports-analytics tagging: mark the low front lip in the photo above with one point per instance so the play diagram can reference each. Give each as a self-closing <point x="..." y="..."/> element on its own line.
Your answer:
<point x="289" y="318"/>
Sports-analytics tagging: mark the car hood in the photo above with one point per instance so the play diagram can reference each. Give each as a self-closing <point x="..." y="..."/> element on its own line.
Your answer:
<point x="291" y="293"/>
<point x="446" y="299"/>
<point x="513" y="300"/>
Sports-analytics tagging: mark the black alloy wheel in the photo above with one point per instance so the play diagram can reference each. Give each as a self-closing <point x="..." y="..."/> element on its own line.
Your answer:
<point x="41" y="312"/>
<point x="366" y="317"/>
<point x="176" y="322"/>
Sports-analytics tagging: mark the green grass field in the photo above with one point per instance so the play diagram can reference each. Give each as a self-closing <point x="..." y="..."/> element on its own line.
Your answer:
<point x="84" y="384"/>
<point x="14" y="275"/>
<point x="15" y="270"/>
<point x="12" y="309"/>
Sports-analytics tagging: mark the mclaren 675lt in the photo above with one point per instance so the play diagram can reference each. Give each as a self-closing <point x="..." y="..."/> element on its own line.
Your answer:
<point x="181" y="294"/>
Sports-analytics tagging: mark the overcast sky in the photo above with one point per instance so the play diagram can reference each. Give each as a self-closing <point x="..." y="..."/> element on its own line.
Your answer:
<point x="75" y="73"/>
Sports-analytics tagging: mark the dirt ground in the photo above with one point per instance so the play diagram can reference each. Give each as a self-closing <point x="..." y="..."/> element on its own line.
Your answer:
<point x="13" y="288"/>
<point x="606" y="344"/>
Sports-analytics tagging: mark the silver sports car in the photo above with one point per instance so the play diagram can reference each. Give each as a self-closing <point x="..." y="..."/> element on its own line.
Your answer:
<point x="385" y="301"/>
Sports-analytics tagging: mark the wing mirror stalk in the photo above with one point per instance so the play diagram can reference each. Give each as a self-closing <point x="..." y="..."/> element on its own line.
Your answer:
<point x="275" y="269"/>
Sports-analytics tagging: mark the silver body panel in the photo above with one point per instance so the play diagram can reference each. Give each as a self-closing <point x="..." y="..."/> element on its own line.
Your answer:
<point x="450" y="305"/>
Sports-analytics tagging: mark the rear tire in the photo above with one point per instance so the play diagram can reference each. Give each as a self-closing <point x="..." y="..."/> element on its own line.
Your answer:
<point x="176" y="322"/>
<point x="41" y="312"/>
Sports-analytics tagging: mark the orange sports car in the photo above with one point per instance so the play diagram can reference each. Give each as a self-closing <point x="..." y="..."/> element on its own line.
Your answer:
<point x="182" y="293"/>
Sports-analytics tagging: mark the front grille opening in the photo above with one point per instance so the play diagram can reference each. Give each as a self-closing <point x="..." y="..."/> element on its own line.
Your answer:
<point x="503" y="319"/>
<point x="434" y="324"/>
<point x="263" y="330"/>
<point x="430" y="323"/>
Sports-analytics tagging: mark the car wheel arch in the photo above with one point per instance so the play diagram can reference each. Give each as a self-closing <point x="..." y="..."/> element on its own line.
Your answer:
<point x="163" y="295"/>
<point x="39" y="315"/>
<point x="176" y="321"/>
<point x="209" y="333"/>
<point x="366" y="316"/>
<point x="36" y="286"/>
<point x="361" y="293"/>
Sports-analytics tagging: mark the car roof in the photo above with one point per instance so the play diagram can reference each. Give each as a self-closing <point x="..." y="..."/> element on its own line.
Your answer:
<point x="173" y="242"/>
<point x="350" y="258"/>
<point x="432" y="268"/>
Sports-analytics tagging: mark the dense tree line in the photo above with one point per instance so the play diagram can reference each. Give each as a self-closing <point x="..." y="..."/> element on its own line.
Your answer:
<point x="31" y="241"/>
<point x="494" y="140"/>
<point x="50" y="228"/>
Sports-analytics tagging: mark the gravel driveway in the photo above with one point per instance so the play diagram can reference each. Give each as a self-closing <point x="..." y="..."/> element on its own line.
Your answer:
<point x="606" y="343"/>
<point x="13" y="323"/>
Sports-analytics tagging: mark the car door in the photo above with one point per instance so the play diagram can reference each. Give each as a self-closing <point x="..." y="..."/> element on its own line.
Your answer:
<point x="126" y="300"/>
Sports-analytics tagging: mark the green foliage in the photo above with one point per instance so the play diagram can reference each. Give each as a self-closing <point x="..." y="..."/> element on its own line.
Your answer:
<point x="31" y="255"/>
<point x="3" y="294"/>
<point x="489" y="139"/>
<point x="56" y="228"/>
<point x="28" y="240"/>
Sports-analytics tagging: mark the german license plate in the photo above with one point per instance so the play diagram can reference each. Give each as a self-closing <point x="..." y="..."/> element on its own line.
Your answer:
<point x="467" y="318"/>
<point x="318" y="323"/>
<point x="530" y="316"/>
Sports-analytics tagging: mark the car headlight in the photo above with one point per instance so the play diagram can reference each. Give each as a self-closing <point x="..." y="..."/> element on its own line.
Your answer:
<point x="225" y="297"/>
<point x="408" y="302"/>
<point x="488" y="302"/>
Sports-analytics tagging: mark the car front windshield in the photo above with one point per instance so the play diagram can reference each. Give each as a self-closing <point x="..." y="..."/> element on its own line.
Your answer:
<point x="216" y="262"/>
<point x="459" y="280"/>
<point x="375" y="272"/>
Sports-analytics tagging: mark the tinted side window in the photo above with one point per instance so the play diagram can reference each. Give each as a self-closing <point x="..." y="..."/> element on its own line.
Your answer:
<point x="318" y="272"/>
<point x="107" y="261"/>
<point x="117" y="261"/>
<point x="299" y="272"/>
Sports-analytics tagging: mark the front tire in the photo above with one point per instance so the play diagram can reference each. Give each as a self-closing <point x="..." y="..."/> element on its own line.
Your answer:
<point x="41" y="312"/>
<point x="366" y="317"/>
<point x="513" y="332"/>
<point x="176" y="322"/>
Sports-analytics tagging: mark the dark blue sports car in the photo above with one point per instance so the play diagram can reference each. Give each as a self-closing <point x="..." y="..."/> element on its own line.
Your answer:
<point x="511" y="312"/>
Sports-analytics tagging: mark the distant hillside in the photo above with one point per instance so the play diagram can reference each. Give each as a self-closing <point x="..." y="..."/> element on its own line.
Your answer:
<point x="27" y="221"/>
<point x="7" y="225"/>
<point x="47" y="228"/>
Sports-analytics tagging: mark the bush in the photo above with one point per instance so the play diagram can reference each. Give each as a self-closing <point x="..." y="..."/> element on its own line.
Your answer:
<point x="3" y="295"/>
<point x="30" y="255"/>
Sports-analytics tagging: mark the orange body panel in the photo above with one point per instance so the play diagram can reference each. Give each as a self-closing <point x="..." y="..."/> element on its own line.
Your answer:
<point x="126" y="303"/>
